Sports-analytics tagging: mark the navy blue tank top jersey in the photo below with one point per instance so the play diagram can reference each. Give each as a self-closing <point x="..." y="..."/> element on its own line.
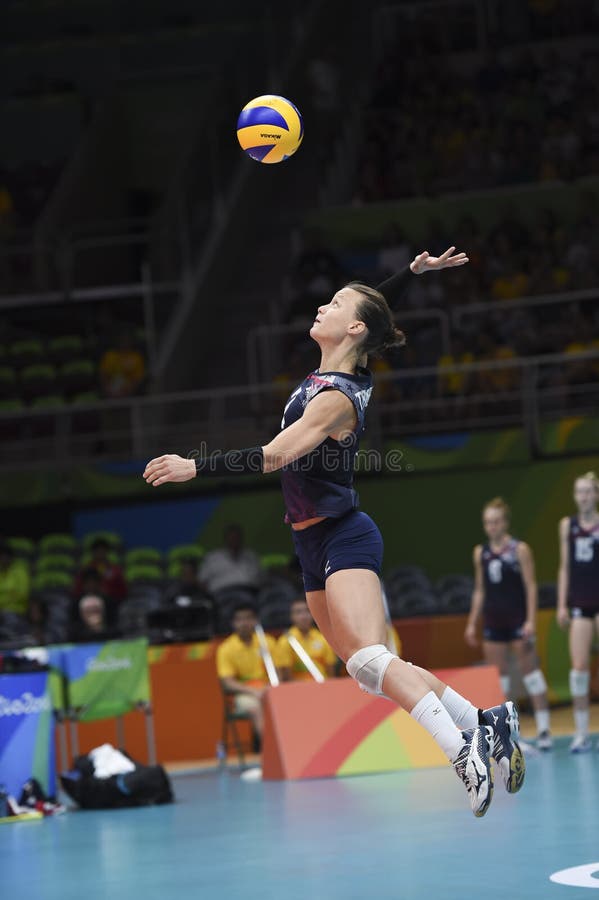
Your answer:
<point x="583" y="586"/>
<point x="321" y="483"/>
<point x="505" y="595"/>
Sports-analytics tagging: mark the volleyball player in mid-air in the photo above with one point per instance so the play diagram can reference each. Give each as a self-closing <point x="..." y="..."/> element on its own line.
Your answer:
<point x="505" y="595"/>
<point x="339" y="548"/>
<point x="578" y="597"/>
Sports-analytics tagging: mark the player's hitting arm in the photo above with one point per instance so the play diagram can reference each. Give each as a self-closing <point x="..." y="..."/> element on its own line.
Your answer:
<point x="527" y="567"/>
<point x="476" y="605"/>
<point x="563" y="574"/>
<point x="330" y="413"/>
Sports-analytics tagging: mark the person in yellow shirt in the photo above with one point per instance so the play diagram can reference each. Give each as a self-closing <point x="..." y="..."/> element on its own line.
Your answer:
<point x="291" y="668"/>
<point x="239" y="665"/>
<point x="14" y="583"/>
<point x="122" y="368"/>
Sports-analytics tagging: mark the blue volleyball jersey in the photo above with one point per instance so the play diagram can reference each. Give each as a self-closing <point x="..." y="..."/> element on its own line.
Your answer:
<point x="583" y="583"/>
<point x="505" y="595"/>
<point x="321" y="482"/>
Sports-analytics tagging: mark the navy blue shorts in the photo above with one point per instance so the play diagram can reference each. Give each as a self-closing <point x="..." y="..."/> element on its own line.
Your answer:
<point x="502" y="635"/>
<point x="350" y="542"/>
<point x="577" y="612"/>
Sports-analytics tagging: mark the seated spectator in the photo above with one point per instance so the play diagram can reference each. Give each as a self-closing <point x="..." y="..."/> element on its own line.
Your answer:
<point x="14" y="582"/>
<point x="240" y="668"/>
<point x="187" y="588"/>
<point x="453" y="384"/>
<point x="122" y="369"/>
<point x="232" y="568"/>
<point x="92" y="624"/>
<point x="186" y="607"/>
<point x="303" y="629"/>
<point x="102" y="576"/>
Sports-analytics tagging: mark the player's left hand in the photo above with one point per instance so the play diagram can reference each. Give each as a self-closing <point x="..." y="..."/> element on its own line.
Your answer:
<point x="169" y="468"/>
<point x="528" y="631"/>
<point x="424" y="262"/>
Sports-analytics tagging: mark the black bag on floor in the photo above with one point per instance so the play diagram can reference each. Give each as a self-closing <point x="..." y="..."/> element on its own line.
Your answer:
<point x="145" y="786"/>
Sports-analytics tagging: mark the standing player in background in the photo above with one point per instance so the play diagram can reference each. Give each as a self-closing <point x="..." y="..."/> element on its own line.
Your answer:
<point x="578" y="597"/>
<point x="505" y="593"/>
<point x="340" y="549"/>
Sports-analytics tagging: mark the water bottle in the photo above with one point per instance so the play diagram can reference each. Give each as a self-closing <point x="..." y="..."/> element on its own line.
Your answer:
<point x="3" y="802"/>
<point x="221" y="753"/>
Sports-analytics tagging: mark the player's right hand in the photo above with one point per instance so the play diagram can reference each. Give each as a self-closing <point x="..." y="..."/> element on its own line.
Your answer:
<point x="563" y="617"/>
<point x="470" y="635"/>
<point x="171" y="468"/>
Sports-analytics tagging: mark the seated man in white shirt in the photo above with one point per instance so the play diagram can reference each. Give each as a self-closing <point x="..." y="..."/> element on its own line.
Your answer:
<point x="232" y="569"/>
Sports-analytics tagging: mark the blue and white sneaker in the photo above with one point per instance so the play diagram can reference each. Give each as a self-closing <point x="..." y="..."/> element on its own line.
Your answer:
<point x="473" y="766"/>
<point x="581" y="743"/>
<point x="506" y="750"/>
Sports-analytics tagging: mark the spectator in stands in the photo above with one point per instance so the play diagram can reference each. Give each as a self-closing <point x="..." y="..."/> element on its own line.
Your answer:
<point x="122" y="368"/>
<point x="92" y="624"/>
<point x="240" y="668"/>
<point x="14" y="582"/>
<point x="103" y="577"/>
<point x="303" y="629"/>
<point x="454" y="384"/>
<point x="193" y="606"/>
<point x="232" y="568"/>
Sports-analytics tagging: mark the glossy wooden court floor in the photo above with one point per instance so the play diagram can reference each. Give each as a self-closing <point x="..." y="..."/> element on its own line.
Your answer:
<point x="404" y="835"/>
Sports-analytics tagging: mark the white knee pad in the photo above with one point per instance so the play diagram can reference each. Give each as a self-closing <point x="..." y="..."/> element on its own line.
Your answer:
<point x="579" y="683"/>
<point x="535" y="683"/>
<point x="368" y="667"/>
<point x="504" y="680"/>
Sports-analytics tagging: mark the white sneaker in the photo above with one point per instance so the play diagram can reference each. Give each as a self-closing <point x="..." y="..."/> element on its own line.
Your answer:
<point x="581" y="743"/>
<point x="544" y="741"/>
<point x="473" y="766"/>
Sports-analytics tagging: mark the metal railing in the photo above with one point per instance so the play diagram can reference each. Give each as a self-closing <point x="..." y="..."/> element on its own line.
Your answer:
<point x="520" y="392"/>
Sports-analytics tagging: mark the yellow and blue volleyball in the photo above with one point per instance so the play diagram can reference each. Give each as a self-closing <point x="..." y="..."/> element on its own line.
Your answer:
<point x="270" y="128"/>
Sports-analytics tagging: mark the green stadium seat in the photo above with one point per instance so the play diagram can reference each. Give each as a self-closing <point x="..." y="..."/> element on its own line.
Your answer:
<point x="77" y="376"/>
<point x="146" y="573"/>
<point x="38" y="380"/>
<point x="274" y="561"/>
<point x="86" y="397"/>
<point x="113" y="558"/>
<point x="26" y="352"/>
<point x="143" y="556"/>
<point x="22" y="546"/>
<point x="55" y="562"/>
<point x="58" y="542"/>
<point x="111" y="537"/>
<point x="185" y="551"/>
<point x="11" y="404"/>
<point x="51" y="401"/>
<point x="45" y="580"/>
<point x="65" y="348"/>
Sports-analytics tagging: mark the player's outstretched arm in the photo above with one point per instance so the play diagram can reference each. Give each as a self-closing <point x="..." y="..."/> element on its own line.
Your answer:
<point x="394" y="288"/>
<point x="329" y="413"/>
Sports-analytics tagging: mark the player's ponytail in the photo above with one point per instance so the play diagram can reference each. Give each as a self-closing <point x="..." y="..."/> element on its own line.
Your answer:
<point x="373" y="310"/>
<point x="500" y="504"/>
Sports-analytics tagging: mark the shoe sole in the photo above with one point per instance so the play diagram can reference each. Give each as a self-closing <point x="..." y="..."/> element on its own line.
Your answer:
<point x="517" y="765"/>
<point x="480" y="812"/>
